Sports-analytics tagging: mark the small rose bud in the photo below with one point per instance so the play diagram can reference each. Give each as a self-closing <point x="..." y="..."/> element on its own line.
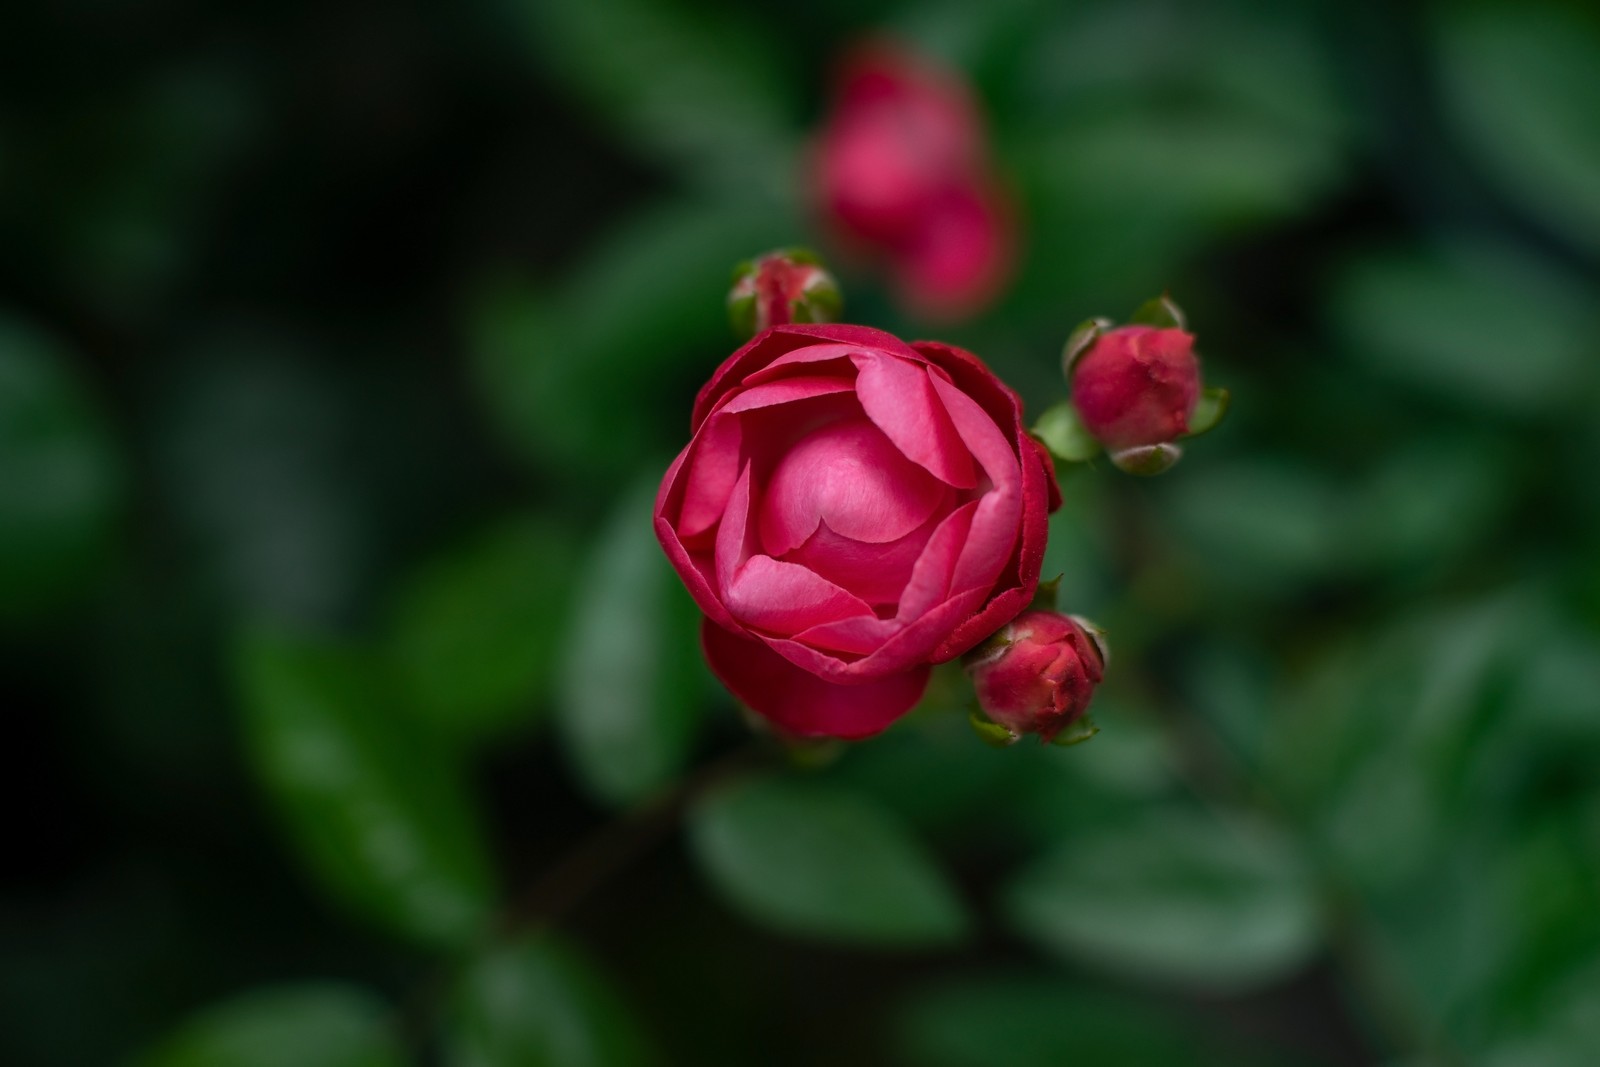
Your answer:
<point x="1037" y="675"/>
<point x="789" y="285"/>
<point x="1135" y="388"/>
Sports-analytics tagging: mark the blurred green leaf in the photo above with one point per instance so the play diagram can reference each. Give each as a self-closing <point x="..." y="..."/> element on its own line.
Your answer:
<point x="534" y="1003"/>
<point x="311" y="1025"/>
<point x="60" y="477"/>
<point x="1037" y="1021"/>
<point x="1149" y="190"/>
<point x="1564" y="1030"/>
<point x="816" y="861"/>
<point x="700" y="91"/>
<point x="125" y="186"/>
<point x="475" y="632"/>
<point x="260" y="450"/>
<point x="574" y="376"/>
<point x="1260" y="524"/>
<point x="1486" y="325"/>
<point x="1427" y="504"/>
<point x="1519" y="86"/>
<point x="375" y="806"/>
<point x="1371" y="746"/>
<point x="1279" y="68"/>
<point x="1213" y="900"/>
<point x="632" y="688"/>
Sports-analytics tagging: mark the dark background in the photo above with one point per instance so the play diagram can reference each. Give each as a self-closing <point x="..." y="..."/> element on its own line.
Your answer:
<point x="341" y="347"/>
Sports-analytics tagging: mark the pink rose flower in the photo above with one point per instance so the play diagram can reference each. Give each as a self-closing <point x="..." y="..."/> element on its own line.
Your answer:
<point x="1137" y="386"/>
<point x="850" y="510"/>
<point x="1038" y="674"/>
<point x="903" y="172"/>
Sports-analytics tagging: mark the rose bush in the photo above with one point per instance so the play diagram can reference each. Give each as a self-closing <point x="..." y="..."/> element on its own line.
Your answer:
<point x="851" y="509"/>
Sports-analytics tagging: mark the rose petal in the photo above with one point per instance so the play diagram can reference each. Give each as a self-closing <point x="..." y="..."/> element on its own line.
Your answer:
<point x="774" y="344"/>
<point x="734" y="541"/>
<point x="802" y="703"/>
<point x="930" y="577"/>
<point x="994" y="527"/>
<point x="877" y="573"/>
<point x="899" y="398"/>
<point x="905" y="647"/>
<point x="851" y="476"/>
<point x="711" y="467"/>
<point x="768" y="594"/>
<point x="783" y="391"/>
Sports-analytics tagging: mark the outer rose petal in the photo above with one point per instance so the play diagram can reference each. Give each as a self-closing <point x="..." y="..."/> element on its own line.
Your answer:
<point x="802" y="703"/>
<point x="766" y="347"/>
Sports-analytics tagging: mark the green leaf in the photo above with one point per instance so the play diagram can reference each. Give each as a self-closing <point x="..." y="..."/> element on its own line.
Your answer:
<point x="311" y="1025"/>
<point x="1216" y="901"/>
<point x="1518" y="86"/>
<point x="1039" y="1021"/>
<point x="1064" y="434"/>
<point x="701" y="92"/>
<point x="374" y="805"/>
<point x="1484" y="325"/>
<point x="1263" y="525"/>
<point x="1391" y="526"/>
<point x="534" y="1003"/>
<point x="475" y="632"/>
<point x="633" y="687"/>
<point x="60" y="478"/>
<point x="1154" y="186"/>
<point x="820" y="862"/>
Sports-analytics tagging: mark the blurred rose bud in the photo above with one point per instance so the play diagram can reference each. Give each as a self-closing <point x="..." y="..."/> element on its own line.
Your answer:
<point x="789" y="285"/>
<point x="904" y="175"/>
<point x="1037" y="675"/>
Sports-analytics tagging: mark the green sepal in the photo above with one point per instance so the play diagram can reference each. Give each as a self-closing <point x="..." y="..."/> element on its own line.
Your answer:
<point x="1078" y="343"/>
<point x="1076" y="734"/>
<point x="1161" y="313"/>
<point x="1098" y="636"/>
<point x="990" y="732"/>
<point x="1147" y="460"/>
<point x="742" y="314"/>
<point x="1046" y="595"/>
<point x="1208" y="410"/>
<point x="1061" y="431"/>
<point x="821" y="300"/>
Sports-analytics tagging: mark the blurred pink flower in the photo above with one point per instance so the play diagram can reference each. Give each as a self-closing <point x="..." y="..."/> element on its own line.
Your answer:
<point x="903" y="175"/>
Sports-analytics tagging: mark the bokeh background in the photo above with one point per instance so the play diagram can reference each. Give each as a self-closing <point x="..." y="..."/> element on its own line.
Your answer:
<point x="352" y="718"/>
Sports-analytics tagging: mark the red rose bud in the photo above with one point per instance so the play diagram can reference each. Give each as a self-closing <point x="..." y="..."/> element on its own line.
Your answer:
<point x="1135" y="389"/>
<point x="904" y="176"/>
<point x="789" y="285"/>
<point x="1037" y="676"/>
